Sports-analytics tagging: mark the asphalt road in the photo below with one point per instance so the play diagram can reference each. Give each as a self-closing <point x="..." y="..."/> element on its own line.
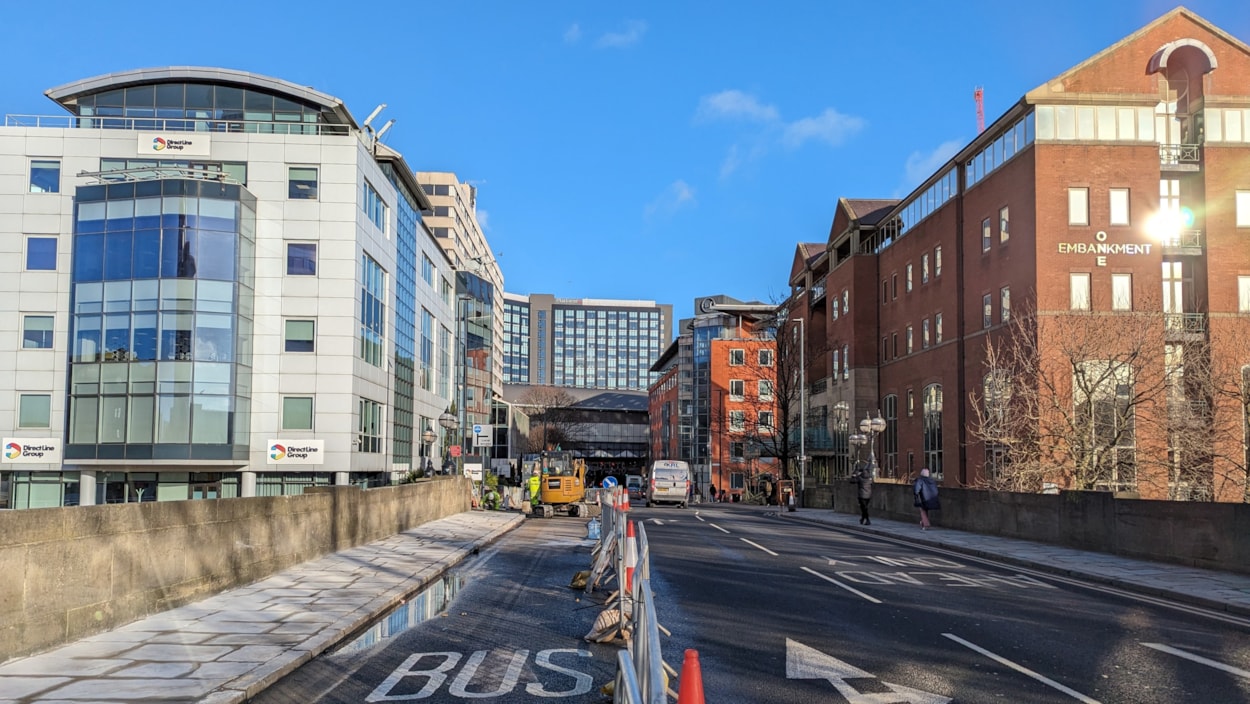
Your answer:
<point x="788" y="612"/>
<point x="782" y="611"/>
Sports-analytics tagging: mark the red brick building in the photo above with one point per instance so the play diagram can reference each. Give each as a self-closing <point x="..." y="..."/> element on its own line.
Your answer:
<point x="1099" y="228"/>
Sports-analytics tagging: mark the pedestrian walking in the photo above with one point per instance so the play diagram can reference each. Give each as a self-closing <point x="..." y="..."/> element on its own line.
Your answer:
<point x="926" y="491"/>
<point x="862" y="478"/>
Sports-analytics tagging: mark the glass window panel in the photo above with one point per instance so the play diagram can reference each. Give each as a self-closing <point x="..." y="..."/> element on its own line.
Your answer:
<point x="214" y="338"/>
<point x="45" y="176"/>
<point x="1065" y="122"/>
<point x="1119" y="206"/>
<point x="145" y="294"/>
<point x="40" y="253"/>
<point x="297" y="413"/>
<point x="113" y="419"/>
<point x="302" y="183"/>
<point x="217" y="257"/>
<point x="211" y="422"/>
<point x="37" y="332"/>
<point x="143" y="378"/>
<point x="1232" y="126"/>
<point x="218" y="215"/>
<point x="1079" y="291"/>
<point x="1145" y="124"/>
<point x="214" y="296"/>
<point x="1243" y="208"/>
<point x="175" y="336"/>
<point x="88" y="257"/>
<point x="177" y="295"/>
<point x="1214" y="125"/>
<point x="1106" y="122"/>
<point x="1084" y="122"/>
<point x="144" y="345"/>
<point x="173" y="423"/>
<point x="1078" y="206"/>
<point x="83" y="417"/>
<point x="87" y="337"/>
<point x="34" y="411"/>
<point x="301" y="259"/>
<point x="1126" y="123"/>
<point x="1121" y="291"/>
<point x="139" y="422"/>
<point x="118" y="253"/>
<point x="300" y="335"/>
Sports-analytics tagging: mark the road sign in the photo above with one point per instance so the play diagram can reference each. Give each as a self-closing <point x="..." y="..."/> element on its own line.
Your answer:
<point x="477" y="429"/>
<point x="454" y="450"/>
<point x="608" y="482"/>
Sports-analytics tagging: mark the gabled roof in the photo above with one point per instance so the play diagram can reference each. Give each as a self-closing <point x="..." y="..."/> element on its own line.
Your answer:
<point x="806" y="256"/>
<point x="869" y="211"/>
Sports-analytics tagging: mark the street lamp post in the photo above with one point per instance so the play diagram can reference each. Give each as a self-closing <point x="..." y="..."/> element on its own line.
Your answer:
<point x="427" y="439"/>
<point x="869" y="429"/>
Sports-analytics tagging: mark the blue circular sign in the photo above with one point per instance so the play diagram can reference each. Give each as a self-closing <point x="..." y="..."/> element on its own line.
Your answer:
<point x="608" y="482"/>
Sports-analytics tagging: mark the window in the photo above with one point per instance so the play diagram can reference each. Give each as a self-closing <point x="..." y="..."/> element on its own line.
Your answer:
<point x="37" y="332"/>
<point x="374" y="206"/>
<point x="765" y="388"/>
<point x="300" y="336"/>
<point x="1243" y="208"/>
<point x="1119" y="206"/>
<point x="933" y="429"/>
<point x="837" y="364"/>
<point x="889" y="440"/>
<point x="909" y="340"/>
<point x="427" y="269"/>
<point x="737" y="451"/>
<point x="1121" y="292"/>
<point x="1102" y="397"/>
<point x="846" y="302"/>
<point x="911" y="403"/>
<point x="372" y="310"/>
<point x="846" y="361"/>
<point x="34" y="411"/>
<point x="40" y="254"/>
<point x="370" y="430"/>
<point x="1003" y="222"/>
<point x="1078" y="285"/>
<point x="301" y="259"/>
<point x="986" y="235"/>
<point x="736" y="389"/>
<point x="987" y="311"/>
<point x="894" y="344"/>
<point x="937" y="328"/>
<point x="893" y="286"/>
<point x="885" y="291"/>
<point x="297" y="413"/>
<point x="937" y="260"/>
<point x="924" y="334"/>
<point x="737" y="357"/>
<point x="45" y="176"/>
<point x="1243" y="294"/>
<point x="924" y="268"/>
<point x="302" y="182"/>
<point x="1004" y="304"/>
<point x="1078" y="206"/>
<point x="766" y="358"/>
<point x="885" y="348"/>
<point x="766" y="422"/>
<point x="737" y="421"/>
<point x="909" y="277"/>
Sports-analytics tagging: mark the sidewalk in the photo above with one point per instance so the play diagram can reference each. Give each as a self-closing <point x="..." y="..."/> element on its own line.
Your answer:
<point x="229" y="647"/>
<point x="1220" y="591"/>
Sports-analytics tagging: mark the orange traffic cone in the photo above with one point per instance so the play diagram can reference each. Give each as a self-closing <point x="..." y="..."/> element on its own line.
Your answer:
<point x="631" y="556"/>
<point x="691" y="681"/>
<point x="624" y="501"/>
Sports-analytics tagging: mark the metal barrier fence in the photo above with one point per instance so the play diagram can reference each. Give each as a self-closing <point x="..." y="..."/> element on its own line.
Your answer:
<point x="631" y="612"/>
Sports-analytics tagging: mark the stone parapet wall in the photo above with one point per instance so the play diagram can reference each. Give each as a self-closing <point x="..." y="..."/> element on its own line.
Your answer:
<point x="66" y="573"/>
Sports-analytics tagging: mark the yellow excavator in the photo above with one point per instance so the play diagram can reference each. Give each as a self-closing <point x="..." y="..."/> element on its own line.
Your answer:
<point x="563" y="486"/>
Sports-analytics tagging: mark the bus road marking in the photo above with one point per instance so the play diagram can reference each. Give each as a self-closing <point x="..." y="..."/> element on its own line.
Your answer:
<point x="847" y="587"/>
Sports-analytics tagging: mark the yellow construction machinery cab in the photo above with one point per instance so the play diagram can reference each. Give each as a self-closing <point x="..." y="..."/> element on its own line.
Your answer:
<point x="563" y="485"/>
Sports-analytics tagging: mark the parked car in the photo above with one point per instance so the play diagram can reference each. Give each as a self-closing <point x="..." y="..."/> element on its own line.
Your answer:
<point x="634" y="485"/>
<point x="669" y="483"/>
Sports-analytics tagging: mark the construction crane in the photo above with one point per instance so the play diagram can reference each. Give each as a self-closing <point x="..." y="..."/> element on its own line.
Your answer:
<point x="979" y="96"/>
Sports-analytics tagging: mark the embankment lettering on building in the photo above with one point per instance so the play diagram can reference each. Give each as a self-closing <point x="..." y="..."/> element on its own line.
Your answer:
<point x="1102" y="248"/>
<point x="431" y="670"/>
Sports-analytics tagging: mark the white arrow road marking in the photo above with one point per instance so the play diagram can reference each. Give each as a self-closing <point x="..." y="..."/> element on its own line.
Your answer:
<point x="1022" y="670"/>
<point x="757" y="545"/>
<point x="806" y="663"/>
<point x="1198" y="659"/>
<point x="850" y="589"/>
<point x="657" y="521"/>
<point x="833" y="561"/>
<point x="718" y="528"/>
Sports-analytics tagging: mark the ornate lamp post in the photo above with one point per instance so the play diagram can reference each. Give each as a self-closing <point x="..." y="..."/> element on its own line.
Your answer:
<point x="870" y="428"/>
<point x="427" y="439"/>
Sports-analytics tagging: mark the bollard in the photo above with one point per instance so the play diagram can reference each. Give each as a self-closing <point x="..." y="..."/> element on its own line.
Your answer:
<point x="691" y="680"/>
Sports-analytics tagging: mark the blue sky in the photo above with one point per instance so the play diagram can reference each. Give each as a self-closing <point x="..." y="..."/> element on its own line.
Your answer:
<point x="650" y="150"/>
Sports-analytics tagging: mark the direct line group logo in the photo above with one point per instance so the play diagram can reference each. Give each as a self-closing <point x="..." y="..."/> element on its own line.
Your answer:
<point x="12" y="451"/>
<point x="158" y="144"/>
<point x="276" y="452"/>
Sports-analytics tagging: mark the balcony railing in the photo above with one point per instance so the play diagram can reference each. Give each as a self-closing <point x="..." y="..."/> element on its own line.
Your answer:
<point x="817" y="293"/>
<point x="1185" y="323"/>
<point x="1185" y="156"/>
<point x="1185" y="241"/>
<point x="173" y="124"/>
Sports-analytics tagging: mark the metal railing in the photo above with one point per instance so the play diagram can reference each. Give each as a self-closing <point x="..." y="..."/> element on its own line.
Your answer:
<point x="1185" y="239"/>
<point x="1185" y="323"/>
<point x="1177" y="154"/>
<point x="175" y="124"/>
<point x="153" y="173"/>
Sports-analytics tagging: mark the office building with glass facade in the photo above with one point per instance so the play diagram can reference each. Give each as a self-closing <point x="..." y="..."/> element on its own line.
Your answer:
<point x="583" y="343"/>
<point x="220" y="285"/>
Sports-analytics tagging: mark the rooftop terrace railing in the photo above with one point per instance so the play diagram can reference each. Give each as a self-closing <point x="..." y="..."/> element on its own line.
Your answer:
<point x="173" y="124"/>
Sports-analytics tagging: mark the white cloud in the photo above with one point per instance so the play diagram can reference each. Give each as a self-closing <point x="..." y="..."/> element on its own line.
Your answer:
<point x="921" y="166"/>
<point x="732" y="104"/>
<point x="483" y="219"/>
<point x="731" y="163"/>
<point x="632" y="34"/>
<point x="678" y="195"/>
<point x="831" y="127"/>
<point x="573" y="34"/>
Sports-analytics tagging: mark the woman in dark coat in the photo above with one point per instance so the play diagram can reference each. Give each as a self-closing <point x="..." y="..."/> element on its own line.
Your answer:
<point x="863" y="479"/>
<point x="926" y="491"/>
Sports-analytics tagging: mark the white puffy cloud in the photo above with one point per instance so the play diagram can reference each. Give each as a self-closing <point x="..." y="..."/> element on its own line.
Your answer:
<point x="632" y="34"/>
<point x="830" y="127"/>
<point x="921" y="166"/>
<point x="734" y="104"/>
<point x="573" y="34"/>
<point x="679" y="194"/>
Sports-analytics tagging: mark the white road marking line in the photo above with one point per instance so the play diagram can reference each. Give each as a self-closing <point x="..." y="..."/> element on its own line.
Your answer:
<point x="1199" y="659"/>
<point x="718" y="528"/>
<point x="849" y="588"/>
<point x="1022" y="669"/>
<point x="757" y="545"/>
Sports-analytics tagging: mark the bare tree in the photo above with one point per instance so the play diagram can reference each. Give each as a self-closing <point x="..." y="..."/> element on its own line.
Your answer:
<point x="554" y="421"/>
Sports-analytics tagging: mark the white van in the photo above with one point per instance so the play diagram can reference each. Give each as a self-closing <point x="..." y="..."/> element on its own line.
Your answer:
<point x="668" y="483"/>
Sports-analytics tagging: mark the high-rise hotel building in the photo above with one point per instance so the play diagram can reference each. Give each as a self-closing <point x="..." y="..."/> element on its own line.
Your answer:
<point x="215" y="284"/>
